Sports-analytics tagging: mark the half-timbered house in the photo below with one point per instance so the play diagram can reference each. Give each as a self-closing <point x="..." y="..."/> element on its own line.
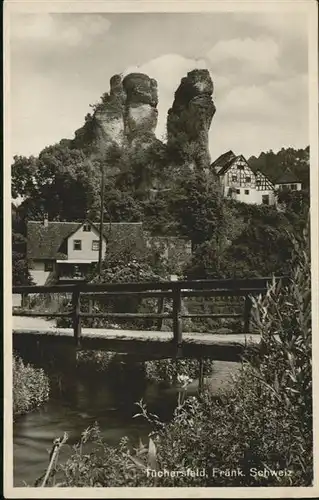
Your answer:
<point x="239" y="182"/>
<point x="265" y="189"/>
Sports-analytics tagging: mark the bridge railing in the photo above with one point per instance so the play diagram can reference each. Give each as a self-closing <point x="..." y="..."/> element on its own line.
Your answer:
<point x="174" y="290"/>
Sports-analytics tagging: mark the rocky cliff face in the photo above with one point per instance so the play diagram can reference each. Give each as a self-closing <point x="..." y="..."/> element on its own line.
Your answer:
<point x="140" y="115"/>
<point x="108" y="117"/>
<point x="190" y="117"/>
<point x="125" y="116"/>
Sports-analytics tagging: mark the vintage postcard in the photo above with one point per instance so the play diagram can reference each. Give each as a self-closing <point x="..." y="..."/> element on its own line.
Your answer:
<point x="161" y="249"/>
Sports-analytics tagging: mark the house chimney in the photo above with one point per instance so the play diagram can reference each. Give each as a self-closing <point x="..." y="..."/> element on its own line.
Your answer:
<point x="45" y="219"/>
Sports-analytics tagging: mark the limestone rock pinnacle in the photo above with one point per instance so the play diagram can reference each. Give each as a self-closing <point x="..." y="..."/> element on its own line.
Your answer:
<point x="190" y="117"/>
<point x="125" y="116"/>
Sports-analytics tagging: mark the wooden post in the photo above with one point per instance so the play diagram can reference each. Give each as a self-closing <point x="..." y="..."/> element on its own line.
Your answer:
<point x="90" y="305"/>
<point x="247" y="313"/>
<point x="176" y="372"/>
<point x="177" y="320"/>
<point x="25" y="301"/>
<point x="76" y="315"/>
<point x="160" y="310"/>
<point x="24" y="297"/>
<point x="201" y="375"/>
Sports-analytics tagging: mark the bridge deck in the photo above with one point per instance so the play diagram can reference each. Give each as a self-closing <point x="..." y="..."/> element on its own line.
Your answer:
<point x="219" y="346"/>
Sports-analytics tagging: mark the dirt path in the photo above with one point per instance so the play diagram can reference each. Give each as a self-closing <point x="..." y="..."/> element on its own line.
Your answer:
<point x="19" y="322"/>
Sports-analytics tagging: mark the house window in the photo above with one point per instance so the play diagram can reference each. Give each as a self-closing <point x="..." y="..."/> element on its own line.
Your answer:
<point x="95" y="245"/>
<point x="48" y="266"/>
<point x="248" y="179"/>
<point x="87" y="228"/>
<point x="77" y="245"/>
<point x="246" y="191"/>
<point x="234" y="178"/>
<point x="258" y="182"/>
<point x="265" y="199"/>
<point x="240" y="167"/>
<point x="293" y="187"/>
<point x="238" y="191"/>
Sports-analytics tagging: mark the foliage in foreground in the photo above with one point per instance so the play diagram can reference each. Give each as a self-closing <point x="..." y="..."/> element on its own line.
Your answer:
<point x="30" y="387"/>
<point x="261" y="428"/>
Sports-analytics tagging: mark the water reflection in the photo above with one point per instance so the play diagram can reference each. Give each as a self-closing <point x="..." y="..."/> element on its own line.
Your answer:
<point x="91" y="401"/>
<point x="85" y="401"/>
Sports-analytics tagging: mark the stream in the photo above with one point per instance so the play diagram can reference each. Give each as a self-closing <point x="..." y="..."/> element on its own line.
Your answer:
<point x="90" y="401"/>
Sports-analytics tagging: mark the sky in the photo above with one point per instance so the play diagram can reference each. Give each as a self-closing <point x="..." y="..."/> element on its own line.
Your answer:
<point x="62" y="63"/>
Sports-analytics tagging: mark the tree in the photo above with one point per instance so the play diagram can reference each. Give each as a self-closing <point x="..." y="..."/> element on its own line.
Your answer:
<point x="23" y="171"/>
<point x="61" y="182"/>
<point x="263" y="247"/>
<point x="275" y="164"/>
<point x="20" y="270"/>
<point x="121" y="205"/>
<point x="296" y="205"/>
<point x="199" y="207"/>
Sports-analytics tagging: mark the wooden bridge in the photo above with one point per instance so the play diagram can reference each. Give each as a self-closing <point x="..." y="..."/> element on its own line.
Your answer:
<point x="151" y="344"/>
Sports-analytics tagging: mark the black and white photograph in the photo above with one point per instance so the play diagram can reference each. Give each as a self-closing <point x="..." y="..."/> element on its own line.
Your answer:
<point x="161" y="230"/>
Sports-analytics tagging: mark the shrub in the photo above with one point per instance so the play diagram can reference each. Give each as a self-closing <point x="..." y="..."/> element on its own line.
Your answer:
<point x="124" y="266"/>
<point x="30" y="387"/>
<point x="123" y="263"/>
<point x="103" y="465"/>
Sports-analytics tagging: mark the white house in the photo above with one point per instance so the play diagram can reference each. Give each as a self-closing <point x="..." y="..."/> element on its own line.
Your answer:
<point x="66" y="251"/>
<point x="239" y="182"/>
<point x="288" y="182"/>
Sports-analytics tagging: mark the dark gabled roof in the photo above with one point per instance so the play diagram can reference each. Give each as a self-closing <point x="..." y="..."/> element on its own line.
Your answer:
<point x="241" y="157"/>
<point x="223" y="161"/>
<point x="46" y="242"/>
<point x="49" y="242"/>
<point x="287" y="177"/>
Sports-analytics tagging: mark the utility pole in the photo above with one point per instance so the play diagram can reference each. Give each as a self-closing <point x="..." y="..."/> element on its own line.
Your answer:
<point x="101" y="219"/>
